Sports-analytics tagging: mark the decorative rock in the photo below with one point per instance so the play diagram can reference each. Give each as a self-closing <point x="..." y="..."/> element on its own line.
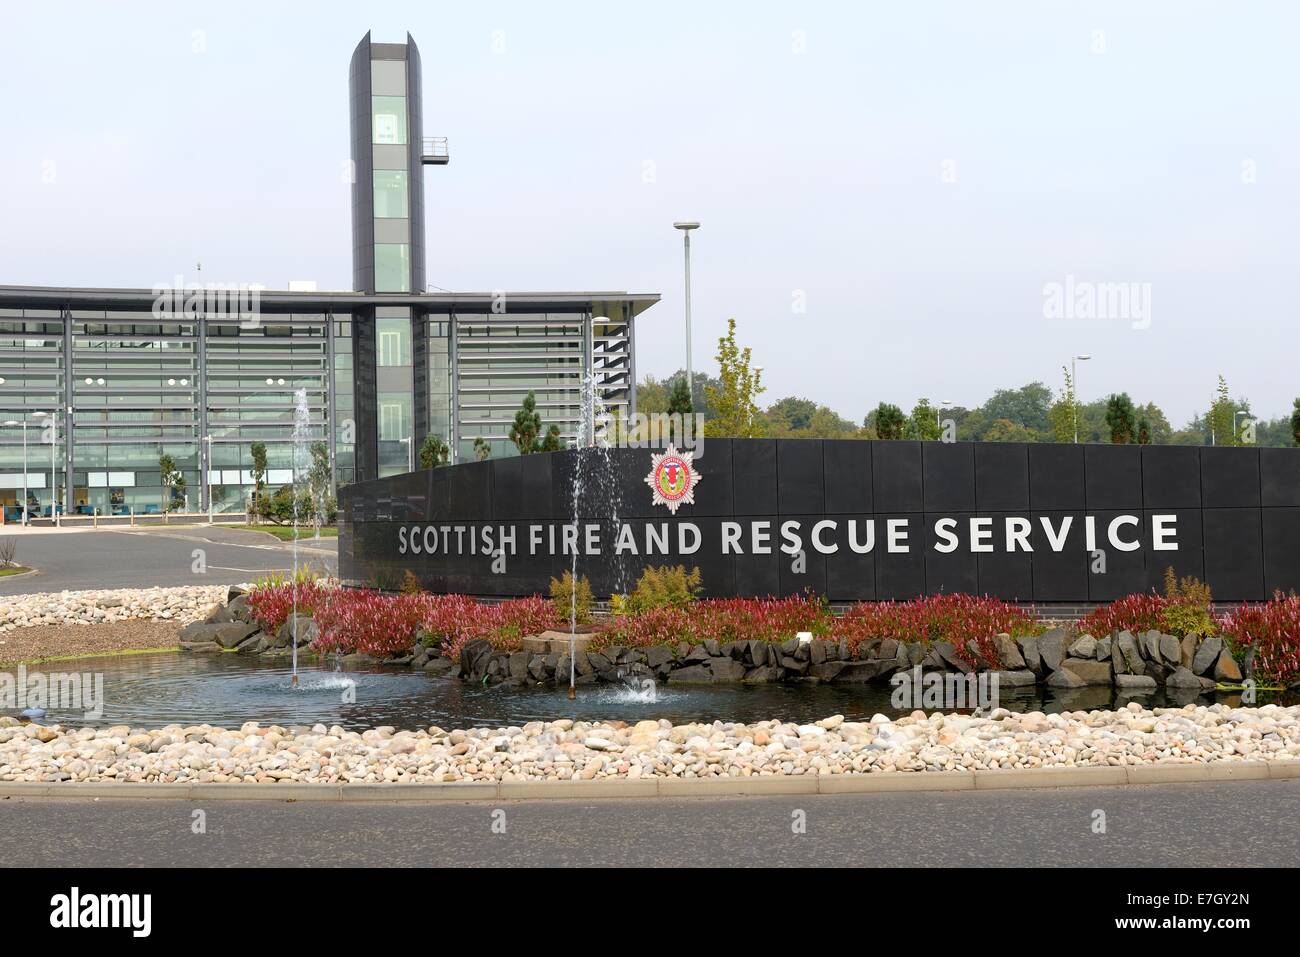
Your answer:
<point x="1135" y="682"/>
<point x="1020" y="678"/>
<point x="950" y="657"/>
<point x="1171" y="650"/>
<point x="1182" y="678"/>
<point x="1051" y="647"/>
<point x="1226" y="668"/>
<point x="1089" y="670"/>
<point x="1103" y="649"/>
<point x="1085" y="646"/>
<point x="1063" y="677"/>
<point x="1207" y="654"/>
<point x="1149" y="645"/>
<point x="1008" y="652"/>
<point x="1124" y="656"/>
<point x="657" y="655"/>
<point x="1028" y="645"/>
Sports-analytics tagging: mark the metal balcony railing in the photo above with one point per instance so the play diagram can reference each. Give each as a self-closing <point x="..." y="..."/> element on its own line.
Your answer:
<point x="433" y="151"/>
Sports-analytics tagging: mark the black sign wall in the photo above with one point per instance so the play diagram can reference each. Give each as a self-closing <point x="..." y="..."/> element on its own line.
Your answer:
<point x="852" y="520"/>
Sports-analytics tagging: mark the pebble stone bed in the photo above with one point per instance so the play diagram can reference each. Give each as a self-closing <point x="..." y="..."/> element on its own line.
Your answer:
<point x="567" y="750"/>
<point x="184" y="604"/>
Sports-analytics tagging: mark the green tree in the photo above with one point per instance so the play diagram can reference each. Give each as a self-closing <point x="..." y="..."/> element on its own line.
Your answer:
<point x="433" y="452"/>
<point x="482" y="451"/>
<point x="1064" y="412"/>
<point x="923" y="423"/>
<point x="735" y="413"/>
<point x="527" y="426"/>
<point x="1025" y="406"/>
<point x="552" y="442"/>
<point x="888" y="421"/>
<point x="173" y="482"/>
<point x="1143" y="431"/>
<point x="1221" y="415"/>
<point x="679" y="400"/>
<point x="1295" y="422"/>
<point x="1119" y="419"/>
<point x="791" y="414"/>
<point x="1004" y="430"/>
<point x="258" y="451"/>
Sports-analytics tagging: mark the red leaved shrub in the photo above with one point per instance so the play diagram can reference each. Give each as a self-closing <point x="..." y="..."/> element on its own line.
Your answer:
<point x="954" y="618"/>
<point x="1273" y="630"/>
<point x="271" y="605"/>
<point x="1137" y="613"/>
<point x="369" y="622"/>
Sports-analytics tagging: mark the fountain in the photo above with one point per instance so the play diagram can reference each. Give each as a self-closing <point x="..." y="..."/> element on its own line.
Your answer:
<point x="592" y="439"/>
<point x="301" y="438"/>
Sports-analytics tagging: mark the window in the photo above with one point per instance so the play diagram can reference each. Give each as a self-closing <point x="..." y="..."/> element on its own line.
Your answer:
<point x="392" y="426"/>
<point x="392" y="267"/>
<point x="388" y="119"/>
<point x="390" y="194"/>
<point x="393" y="341"/>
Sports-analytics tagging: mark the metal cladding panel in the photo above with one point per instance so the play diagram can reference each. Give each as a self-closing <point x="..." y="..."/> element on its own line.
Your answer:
<point x="851" y="521"/>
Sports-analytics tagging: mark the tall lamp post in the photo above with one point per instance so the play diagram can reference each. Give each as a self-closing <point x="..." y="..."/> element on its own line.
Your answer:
<point x="1074" y="386"/>
<point x="686" y="226"/>
<point x="943" y="407"/>
<point x="409" y="442"/>
<point x="1234" y="423"/>
<point x="11" y="423"/>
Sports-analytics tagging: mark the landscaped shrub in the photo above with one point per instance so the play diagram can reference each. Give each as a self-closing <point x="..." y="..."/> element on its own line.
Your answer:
<point x="1272" y="629"/>
<point x="567" y="602"/>
<point x="1184" y="609"/>
<point x="449" y="621"/>
<point x="1188" y="606"/>
<point x="1136" y="613"/>
<point x="720" y="619"/>
<point x="272" y="601"/>
<point x="668" y="586"/>
<point x="410" y="584"/>
<point x="369" y="622"/>
<point x="954" y="618"/>
<point x="658" y="626"/>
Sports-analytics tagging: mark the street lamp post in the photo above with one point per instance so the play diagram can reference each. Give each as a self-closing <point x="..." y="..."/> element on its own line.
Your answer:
<point x="943" y="407"/>
<point x="409" y="442"/>
<point x="1234" y="423"/>
<point x="1074" y="387"/>
<point x="686" y="226"/>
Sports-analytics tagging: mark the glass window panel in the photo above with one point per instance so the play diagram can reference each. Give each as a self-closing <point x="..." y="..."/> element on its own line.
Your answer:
<point x="392" y="267"/>
<point x="390" y="194"/>
<point x="388" y="118"/>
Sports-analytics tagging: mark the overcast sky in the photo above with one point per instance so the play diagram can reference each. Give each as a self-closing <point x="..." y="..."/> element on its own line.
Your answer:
<point x="885" y="188"/>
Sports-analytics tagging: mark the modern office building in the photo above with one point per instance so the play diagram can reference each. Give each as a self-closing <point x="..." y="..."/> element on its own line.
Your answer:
<point x="96" y="385"/>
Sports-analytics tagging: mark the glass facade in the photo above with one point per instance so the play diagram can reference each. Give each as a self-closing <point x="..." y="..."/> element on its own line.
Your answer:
<point x="203" y="389"/>
<point x="200" y="390"/>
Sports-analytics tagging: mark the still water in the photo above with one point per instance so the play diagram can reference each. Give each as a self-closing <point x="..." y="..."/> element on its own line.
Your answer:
<point x="227" y="690"/>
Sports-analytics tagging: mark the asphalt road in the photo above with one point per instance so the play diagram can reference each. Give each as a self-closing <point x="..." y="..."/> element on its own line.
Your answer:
<point x="1198" y="825"/>
<point x="140" y="559"/>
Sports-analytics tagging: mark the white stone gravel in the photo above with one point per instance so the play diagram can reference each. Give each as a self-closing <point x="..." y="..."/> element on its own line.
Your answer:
<point x="182" y="604"/>
<point x="564" y="749"/>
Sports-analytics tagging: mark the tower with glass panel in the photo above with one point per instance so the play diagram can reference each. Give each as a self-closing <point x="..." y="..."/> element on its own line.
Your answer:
<point x="388" y="155"/>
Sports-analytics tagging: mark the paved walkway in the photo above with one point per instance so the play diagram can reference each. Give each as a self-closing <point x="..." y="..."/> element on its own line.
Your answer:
<point x="1229" y="824"/>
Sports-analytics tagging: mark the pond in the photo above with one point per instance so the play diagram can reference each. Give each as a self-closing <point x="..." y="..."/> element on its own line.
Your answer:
<point x="226" y="690"/>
